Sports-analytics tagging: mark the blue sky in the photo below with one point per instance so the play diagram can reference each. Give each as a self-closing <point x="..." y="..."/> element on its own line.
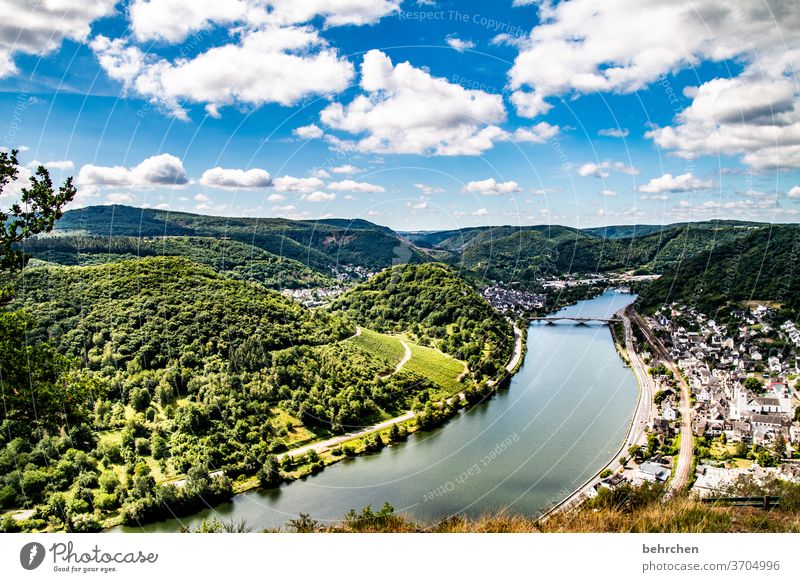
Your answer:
<point x="416" y="115"/>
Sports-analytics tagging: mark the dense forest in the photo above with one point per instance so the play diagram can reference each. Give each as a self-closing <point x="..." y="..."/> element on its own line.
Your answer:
<point x="763" y="266"/>
<point x="436" y="307"/>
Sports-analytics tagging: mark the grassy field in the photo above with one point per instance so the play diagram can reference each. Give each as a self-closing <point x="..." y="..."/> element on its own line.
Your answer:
<point x="437" y="367"/>
<point x="383" y="346"/>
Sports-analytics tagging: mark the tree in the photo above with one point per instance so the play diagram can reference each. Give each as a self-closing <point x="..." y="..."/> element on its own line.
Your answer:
<point x="269" y="475"/>
<point x="636" y="452"/>
<point x="754" y="384"/>
<point x="36" y="212"/>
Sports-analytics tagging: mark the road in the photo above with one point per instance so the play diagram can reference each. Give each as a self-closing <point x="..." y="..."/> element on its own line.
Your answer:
<point x="683" y="469"/>
<point x="636" y="430"/>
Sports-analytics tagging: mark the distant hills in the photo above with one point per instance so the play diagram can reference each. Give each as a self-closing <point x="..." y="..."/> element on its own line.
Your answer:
<point x="319" y="244"/>
<point x="281" y="253"/>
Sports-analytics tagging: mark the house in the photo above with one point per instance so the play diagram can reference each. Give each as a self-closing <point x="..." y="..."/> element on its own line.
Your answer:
<point x="669" y="413"/>
<point x="652" y="472"/>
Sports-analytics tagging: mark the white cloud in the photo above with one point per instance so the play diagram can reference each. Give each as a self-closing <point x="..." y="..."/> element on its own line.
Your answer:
<point x="794" y="192"/>
<point x="613" y="132"/>
<point x="459" y="44"/>
<point x="406" y="110"/>
<point x="234" y="178"/>
<point x="173" y="20"/>
<point x="273" y="65"/>
<point x="596" y="170"/>
<point x="608" y="193"/>
<point x="602" y="169"/>
<point x="346" y="169"/>
<point x="319" y="196"/>
<point x="538" y="133"/>
<point x="202" y="198"/>
<point x="421" y="205"/>
<point x="428" y="190"/>
<point x="292" y="184"/>
<point x="748" y="115"/>
<point x="584" y="47"/>
<point x="492" y="187"/>
<point x="320" y="173"/>
<point x="353" y="186"/>
<point x="39" y="29"/>
<point x="668" y="183"/>
<point x="160" y="170"/>
<point x="308" y="132"/>
<point x="276" y="198"/>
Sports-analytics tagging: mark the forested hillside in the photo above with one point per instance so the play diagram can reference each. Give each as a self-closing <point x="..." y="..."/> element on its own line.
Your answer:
<point x="527" y="254"/>
<point x="122" y="377"/>
<point x="320" y="244"/>
<point x="762" y="266"/>
<point x="436" y="307"/>
<point x="235" y="259"/>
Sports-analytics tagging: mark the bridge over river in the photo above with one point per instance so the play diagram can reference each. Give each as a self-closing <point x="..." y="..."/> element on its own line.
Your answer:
<point x="550" y="320"/>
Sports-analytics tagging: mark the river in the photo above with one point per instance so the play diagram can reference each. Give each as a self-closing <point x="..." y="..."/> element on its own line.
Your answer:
<point x="563" y="416"/>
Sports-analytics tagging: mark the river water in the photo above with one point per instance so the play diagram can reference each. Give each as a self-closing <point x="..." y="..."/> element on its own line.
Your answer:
<point x="563" y="416"/>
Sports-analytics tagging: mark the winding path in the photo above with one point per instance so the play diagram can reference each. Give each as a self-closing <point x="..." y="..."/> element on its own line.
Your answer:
<point x="406" y="357"/>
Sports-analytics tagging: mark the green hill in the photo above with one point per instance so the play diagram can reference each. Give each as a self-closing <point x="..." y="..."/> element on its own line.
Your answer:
<point x="321" y="244"/>
<point x="146" y="313"/>
<point x="235" y="259"/>
<point x="761" y="266"/>
<point x="434" y="306"/>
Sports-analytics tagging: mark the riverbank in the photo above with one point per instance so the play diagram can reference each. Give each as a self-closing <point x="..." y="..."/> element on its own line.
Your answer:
<point x="636" y="428"/>
<point x="522" y="448"/>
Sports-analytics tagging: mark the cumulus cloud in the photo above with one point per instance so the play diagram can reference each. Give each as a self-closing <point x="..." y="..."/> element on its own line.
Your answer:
<point x="233" y="178"/>
<point x="162" y="170"/>
<point x="748" y="115"/>
<point x="608" y="193"/>
<point x="405" y="109"/>
<point x="794" y="192"/>
<point x="353" y="186"/>
<point x="273" y="65"/>
<point x="319" y="196"/>
<point x="308" y="132"/>
<point x="683" y="183"/>
<point x="173" y="20"/>
<point x="40" y="29"/>
<point x="491" y="187"/>
<point x="292" y="184"/>
<point x="459" y="44"/>
<point x="577" y="50"/>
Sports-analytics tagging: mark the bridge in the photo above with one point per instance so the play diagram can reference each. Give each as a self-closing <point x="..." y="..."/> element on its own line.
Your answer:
<point x="550" y="320"/>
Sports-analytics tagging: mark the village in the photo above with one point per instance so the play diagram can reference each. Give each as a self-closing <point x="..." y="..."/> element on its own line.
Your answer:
<point x="741" y="374"/>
